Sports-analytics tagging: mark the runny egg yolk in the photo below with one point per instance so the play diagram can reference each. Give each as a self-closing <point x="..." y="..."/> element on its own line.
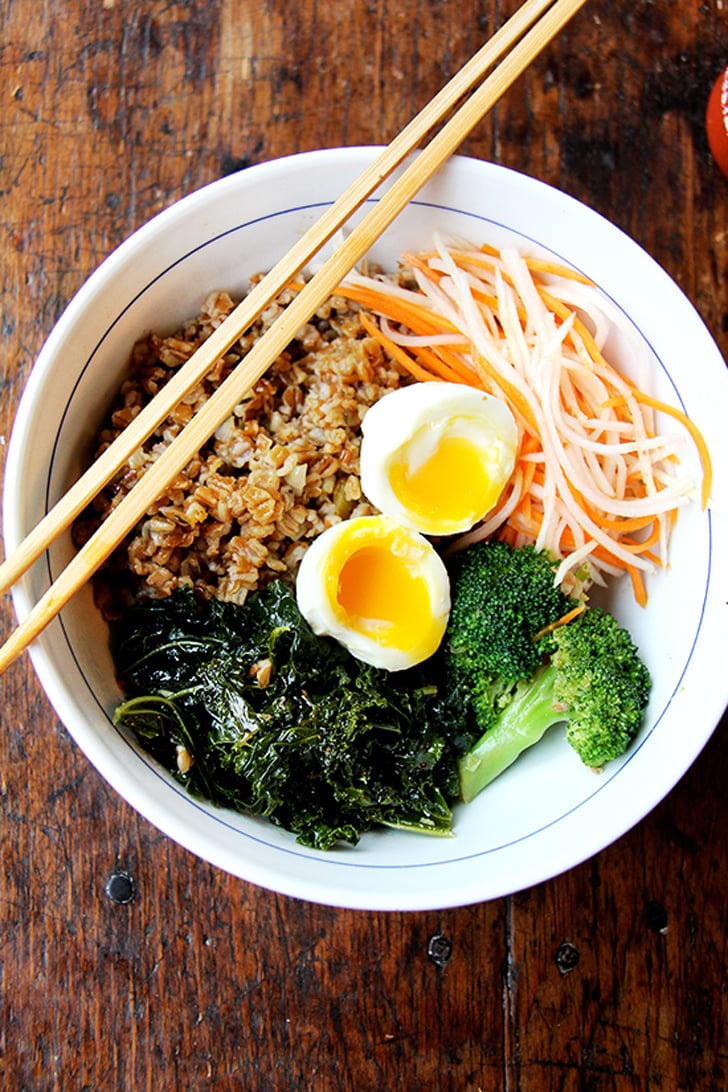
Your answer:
<point x="453" y="482"/>
<point x="379" y="588"/>
<point x="381" y="596"/>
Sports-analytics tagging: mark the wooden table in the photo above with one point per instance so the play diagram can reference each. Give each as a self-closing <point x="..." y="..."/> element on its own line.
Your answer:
<point x="126" y="962"/>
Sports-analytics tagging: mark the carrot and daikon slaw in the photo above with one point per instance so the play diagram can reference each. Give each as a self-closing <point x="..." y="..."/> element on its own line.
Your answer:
<point x="596" y="483"/>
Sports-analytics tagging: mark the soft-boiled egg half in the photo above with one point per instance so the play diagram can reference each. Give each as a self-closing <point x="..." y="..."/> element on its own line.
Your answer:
<point x="379" y="588"/>
<point x="436" y="456"/>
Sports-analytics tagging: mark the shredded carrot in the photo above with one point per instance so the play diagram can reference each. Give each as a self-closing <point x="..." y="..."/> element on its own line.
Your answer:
<point x="563" y="621"/>
<point x="621" y="525"/>
<point x="417" y="261"/>
<point x="448" y="364"/>
<point x="642" y="546"/>
<point x="491" y="301"/>
<point x="564" y="313"/>
<point x="695" y="433"/>
<point x="399" y="310"/>
<point x="638" y="585"/>
<point x="399" y="354"/>
<point x="541" y="265"/>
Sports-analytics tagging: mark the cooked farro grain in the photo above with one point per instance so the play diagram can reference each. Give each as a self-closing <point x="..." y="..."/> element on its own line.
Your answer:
<point x="282" y="468"/>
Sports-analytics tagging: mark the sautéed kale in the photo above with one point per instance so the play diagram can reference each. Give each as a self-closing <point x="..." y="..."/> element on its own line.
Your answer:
<point x="272" y="720"/>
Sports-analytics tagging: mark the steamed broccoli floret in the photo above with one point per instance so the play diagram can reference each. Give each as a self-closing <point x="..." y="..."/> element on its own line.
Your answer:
<point x="601" y="686"/>
<point x="502" y="598"/>
<point x="517" y="680"/>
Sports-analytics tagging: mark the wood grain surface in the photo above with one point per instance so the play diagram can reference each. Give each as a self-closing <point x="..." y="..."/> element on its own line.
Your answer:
<point x="125" y="962"/>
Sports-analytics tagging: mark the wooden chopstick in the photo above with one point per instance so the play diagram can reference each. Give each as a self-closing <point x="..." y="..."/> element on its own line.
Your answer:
<point x="324" y="282"/>
<point x="186" y="378"/>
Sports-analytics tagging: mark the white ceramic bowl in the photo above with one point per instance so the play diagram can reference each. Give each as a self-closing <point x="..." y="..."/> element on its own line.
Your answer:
<point x="547" y="813"/>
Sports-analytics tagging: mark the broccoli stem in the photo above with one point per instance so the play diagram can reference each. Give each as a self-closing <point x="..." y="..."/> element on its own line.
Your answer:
<point x="521" y="723"/>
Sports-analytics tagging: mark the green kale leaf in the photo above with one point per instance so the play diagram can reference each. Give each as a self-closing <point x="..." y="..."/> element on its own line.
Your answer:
<point x="272" y="720"/>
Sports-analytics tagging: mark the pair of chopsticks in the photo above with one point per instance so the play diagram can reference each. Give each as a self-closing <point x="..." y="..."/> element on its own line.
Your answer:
<point x="512" y="48"/>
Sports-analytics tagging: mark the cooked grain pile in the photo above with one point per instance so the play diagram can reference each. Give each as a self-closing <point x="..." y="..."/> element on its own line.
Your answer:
<point x="282" y="468"/>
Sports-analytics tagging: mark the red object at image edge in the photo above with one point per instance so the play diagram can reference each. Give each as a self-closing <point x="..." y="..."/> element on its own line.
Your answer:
<point x="716" y="121"/>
